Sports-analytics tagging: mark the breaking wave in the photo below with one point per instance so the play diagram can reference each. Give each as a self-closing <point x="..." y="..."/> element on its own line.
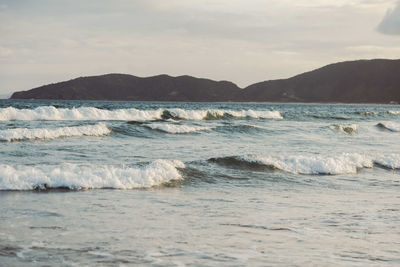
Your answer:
<point x="391" y="161"/>
<point x="176" y="128"/>
<point x="389" y="126"/>
<point x="394" y="112"/>
<point x="217" y="114"/>
<point x="20" y="134"/>
<point x="366" y="113"/>
<point x="76" y="177"/>
<point x="345" y="128"/>
<point x="77" y="114"/>
<point x="132" y="114"/>
<point x="314" y="164"/>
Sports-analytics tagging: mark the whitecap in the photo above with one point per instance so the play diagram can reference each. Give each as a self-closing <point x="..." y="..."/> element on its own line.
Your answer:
<point x="131" y="114"/>
<point x="391" y="161"/>
<point x="345" y="128"/>
<point x="77" y="114"/>
<point x="19" y="134"/>
<point x="221" y="113"/>
<point x="78" y="177"/>
<point x="314" y="164"/>
<point x="176" y="128"/>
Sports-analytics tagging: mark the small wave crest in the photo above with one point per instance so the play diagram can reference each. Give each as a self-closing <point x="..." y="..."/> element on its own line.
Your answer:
<point x="20" y="134"/>
<point x="176" y="128"/>
<point x="390" y="161"/>
<point x="389" y="126"/>
<point x="77" y="177"/>
<point x="345" y="128"/>
<point x="77" y="114"/>
<point x="366" y="113"/>
<point x="217" y="114"/>
<point x="394" y="112"/>
<point x="301" y="164"/>
<point x="131" y="114"/>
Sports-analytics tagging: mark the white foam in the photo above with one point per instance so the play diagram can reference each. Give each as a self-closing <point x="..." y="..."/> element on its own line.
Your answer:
<point x="176" y="128"/>
<point x="89" y="177"/>
<point x="18" y="134"/>
<point x="219" y="113"/>
<point x="394" y="112"/>
<point x="345" y="128"/>
<point x="77" y="114"/>
<point x="315" y="164"/>
<point x="391" y="161"/>
<point x="132" y="114"/>
<point x="368" y="113"/>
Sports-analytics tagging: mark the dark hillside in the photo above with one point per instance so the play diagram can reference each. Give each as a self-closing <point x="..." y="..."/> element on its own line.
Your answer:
<point x="363" y="81"/>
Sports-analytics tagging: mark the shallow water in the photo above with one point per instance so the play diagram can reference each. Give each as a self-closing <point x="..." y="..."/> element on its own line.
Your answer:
<point x="123" y="183"/>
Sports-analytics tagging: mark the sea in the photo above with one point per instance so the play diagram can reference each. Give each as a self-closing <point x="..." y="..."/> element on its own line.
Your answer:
<point x="95" y="183"/>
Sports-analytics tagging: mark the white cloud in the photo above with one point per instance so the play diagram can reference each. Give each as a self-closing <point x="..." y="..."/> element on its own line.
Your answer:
<point x="242" y="41"/>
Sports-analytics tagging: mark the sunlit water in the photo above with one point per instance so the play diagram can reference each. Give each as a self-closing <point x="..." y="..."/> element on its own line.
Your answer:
<point x="202" y="184"/>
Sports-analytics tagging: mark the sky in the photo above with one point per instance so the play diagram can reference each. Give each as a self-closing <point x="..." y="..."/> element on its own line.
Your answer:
<point x="243" y="41"/>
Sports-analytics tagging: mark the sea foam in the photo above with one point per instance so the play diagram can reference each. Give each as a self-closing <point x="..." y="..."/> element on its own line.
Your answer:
<point x="345" y="163"/>
<point x="77" y="177"/>
<point x="345" y="128"/>
<point x="176" y="128"/>
<point x="303" y="164"/>
<point x="131" y="114"/>
<point x="390" y="161"/>
<point x="77" y="114"/>
<point x="220" y="113"/>
<point x="316" y="164"/>
<point x="19" y="134"/>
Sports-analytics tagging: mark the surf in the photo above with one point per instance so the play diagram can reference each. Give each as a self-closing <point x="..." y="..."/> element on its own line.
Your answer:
<point x="82" y="177"/>
<point x="23" y="134"/>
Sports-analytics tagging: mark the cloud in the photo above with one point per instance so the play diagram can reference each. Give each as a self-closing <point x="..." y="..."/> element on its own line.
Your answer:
<point x="242" y="41"/>
<point x="391" y="22"/>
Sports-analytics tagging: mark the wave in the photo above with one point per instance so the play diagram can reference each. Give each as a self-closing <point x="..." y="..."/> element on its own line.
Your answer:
<point x="240" y="128"/>
<point x="394" y="112"/>
<point x="345" y="128"/>
<point x="389" y="126"/>
<point x="176" y="128"/>
<point x="77" y="114"/>
<point x="77" y="177"/>
<point x="132" y="114"/>
<point x="330" y="117"/>
<point x="367" y="113"/>
<point x="216" y="114"/>
<point x="20" y="134"/>
<point x="390" y="161"/>
<point x="301" y="164"/>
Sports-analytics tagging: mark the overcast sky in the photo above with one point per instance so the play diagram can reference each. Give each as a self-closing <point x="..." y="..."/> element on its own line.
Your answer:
<point x="244" y="41"/>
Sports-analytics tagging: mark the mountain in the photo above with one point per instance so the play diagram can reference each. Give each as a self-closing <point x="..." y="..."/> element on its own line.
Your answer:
<point x="362" y="81"/>
<point x="129" y="87"/>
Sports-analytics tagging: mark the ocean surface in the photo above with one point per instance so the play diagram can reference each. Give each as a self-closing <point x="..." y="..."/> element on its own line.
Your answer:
<point x="198" y="184"/>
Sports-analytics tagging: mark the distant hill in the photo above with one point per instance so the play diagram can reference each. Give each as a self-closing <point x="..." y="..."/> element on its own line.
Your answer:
<point x="363" y="81"/>
<point x="128" y="87"/>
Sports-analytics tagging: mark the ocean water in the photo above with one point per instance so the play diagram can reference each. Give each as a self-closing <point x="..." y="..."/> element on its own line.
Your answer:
<point x="198" y="184"/>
